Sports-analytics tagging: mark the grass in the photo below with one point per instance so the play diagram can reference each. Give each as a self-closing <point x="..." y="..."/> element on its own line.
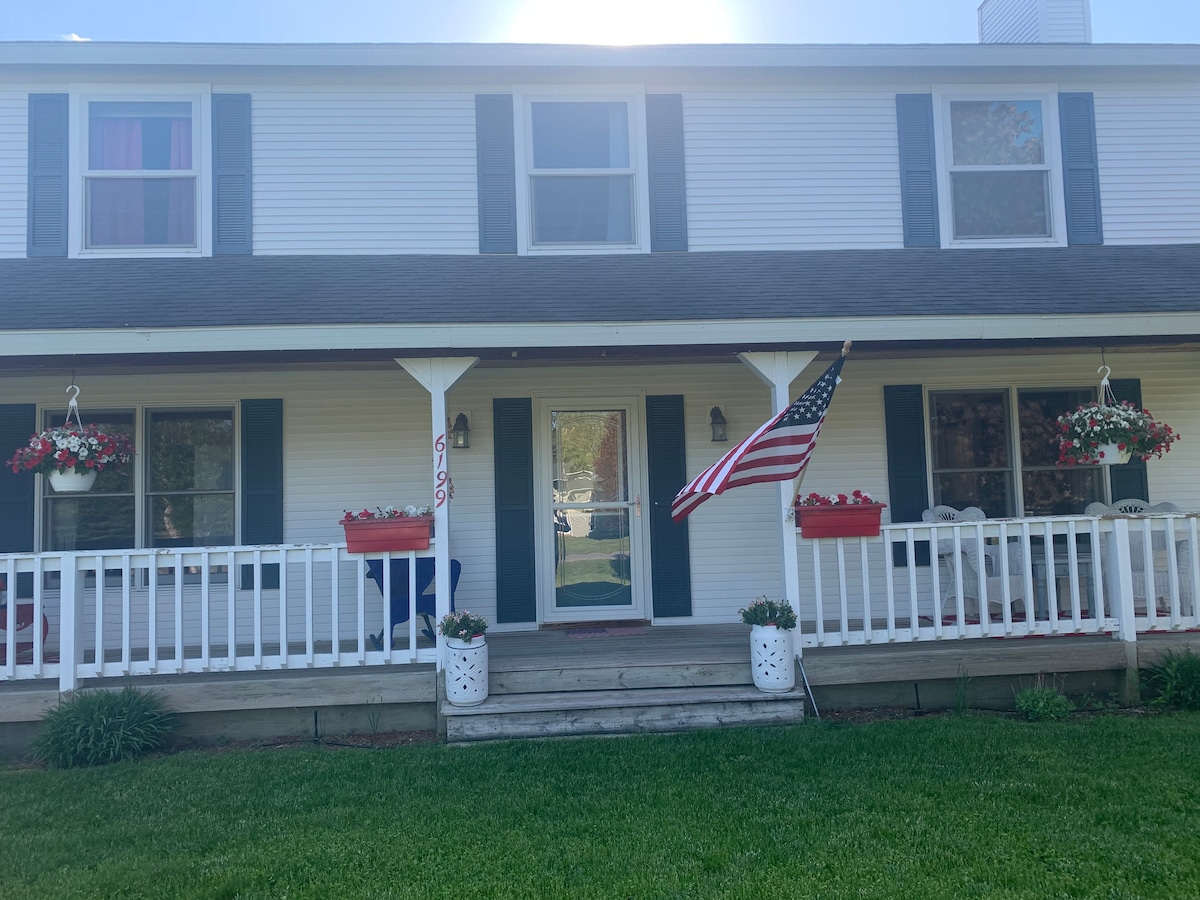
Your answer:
<point x="926" y="808"/>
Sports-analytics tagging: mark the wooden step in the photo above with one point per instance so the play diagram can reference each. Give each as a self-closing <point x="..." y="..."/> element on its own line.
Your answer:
<point x="617" y="677"/>
<point x="627" y="711"/>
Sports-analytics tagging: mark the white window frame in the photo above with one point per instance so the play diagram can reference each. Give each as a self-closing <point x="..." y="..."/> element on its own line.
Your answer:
<point x="635" y="99"/>
<point x="1012" y="392"/>
<point x="1056" y="215"/>
<point x="200" y="96"/>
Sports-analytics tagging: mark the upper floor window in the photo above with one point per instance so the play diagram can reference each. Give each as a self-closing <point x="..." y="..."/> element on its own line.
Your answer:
<point x="1000" y="170"/>
<point x="140" y="175"/>
<point x="999" y="178"/>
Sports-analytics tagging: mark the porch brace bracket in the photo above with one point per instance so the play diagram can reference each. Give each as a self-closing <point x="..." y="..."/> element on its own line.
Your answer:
<point x="778" y="370"/>
<point x="437" y="374"/>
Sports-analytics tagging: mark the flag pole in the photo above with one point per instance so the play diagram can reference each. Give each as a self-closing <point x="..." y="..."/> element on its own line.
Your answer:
<point x="797" y="649"/>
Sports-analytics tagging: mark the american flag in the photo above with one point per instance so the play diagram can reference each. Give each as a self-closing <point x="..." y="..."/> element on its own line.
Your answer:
<point x="777" y="451"/>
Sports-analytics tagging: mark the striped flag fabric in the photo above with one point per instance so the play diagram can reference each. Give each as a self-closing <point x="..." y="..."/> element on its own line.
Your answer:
<point x="776" y="451"/>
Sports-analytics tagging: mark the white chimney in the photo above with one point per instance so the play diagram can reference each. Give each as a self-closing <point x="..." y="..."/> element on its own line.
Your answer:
<point x="1035" y="22"/>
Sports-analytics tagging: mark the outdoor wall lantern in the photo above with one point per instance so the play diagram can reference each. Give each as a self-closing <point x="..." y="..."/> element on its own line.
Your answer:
<point x="460" y="434"/>
<point x="719" y="432"/>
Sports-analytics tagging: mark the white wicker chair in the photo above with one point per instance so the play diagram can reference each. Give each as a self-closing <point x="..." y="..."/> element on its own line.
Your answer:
<point x="1158" y="549"/>
<point x="968" y="560"/>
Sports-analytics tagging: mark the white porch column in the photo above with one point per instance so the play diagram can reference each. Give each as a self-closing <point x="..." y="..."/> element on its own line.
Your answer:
<point x="437" y="375"/>
<point x="779" y="370"/>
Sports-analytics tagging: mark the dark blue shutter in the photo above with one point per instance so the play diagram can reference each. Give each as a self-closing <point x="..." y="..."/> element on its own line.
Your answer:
<point x="496" y="173"/>
<point x="17" y="499"/>
<point x="262" y="481"/>
<point x="1128" y="480"/>
<point x="918" y="170"/>
<point x="232" y="200"/>
<point x="46" y="214"/>
<point x="1081" y="170"/>
<point x="670" y="555"/>
<point x="667" y="180"/>
<point x="908" y="484"/>
<point x="516" y="593"/>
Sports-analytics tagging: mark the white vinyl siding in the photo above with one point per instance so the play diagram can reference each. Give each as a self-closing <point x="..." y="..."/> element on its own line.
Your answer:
<point x="789" y="170"/>
<point x="1008" y="22"/>
<point x="13" y="172"/>
<point x="1146" y="141"/>
<point x="341" y="452"/>
<point x="363" y="170"/>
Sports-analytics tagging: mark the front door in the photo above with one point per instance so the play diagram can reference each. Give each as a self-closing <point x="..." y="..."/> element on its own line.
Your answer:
<point x="591" y="536"/>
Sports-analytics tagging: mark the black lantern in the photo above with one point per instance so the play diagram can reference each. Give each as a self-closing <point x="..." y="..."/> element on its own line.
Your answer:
<point x="460" y="434"/>
<point x="718" y="425"/>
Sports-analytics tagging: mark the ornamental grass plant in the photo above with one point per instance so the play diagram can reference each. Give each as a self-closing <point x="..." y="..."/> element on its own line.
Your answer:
<point x="95" y="727"/>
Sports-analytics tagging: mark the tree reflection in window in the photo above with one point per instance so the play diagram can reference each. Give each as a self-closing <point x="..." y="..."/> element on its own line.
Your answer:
<point x="190" y="478"/>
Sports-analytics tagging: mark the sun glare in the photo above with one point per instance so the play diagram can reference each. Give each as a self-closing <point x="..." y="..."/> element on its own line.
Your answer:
<point x="621" y="22"/>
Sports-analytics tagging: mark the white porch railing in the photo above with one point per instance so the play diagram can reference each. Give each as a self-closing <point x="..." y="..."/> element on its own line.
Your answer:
<point x="159" y="612"/>
<point x="1002" y="578"/>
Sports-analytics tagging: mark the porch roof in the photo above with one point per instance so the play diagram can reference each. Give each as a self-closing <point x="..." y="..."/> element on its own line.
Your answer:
<point x="666" y="287"/>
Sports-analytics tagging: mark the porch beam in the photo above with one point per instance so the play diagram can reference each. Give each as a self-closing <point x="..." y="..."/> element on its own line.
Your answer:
<point x="437" y="375"/>
<point x="778" y="370"/>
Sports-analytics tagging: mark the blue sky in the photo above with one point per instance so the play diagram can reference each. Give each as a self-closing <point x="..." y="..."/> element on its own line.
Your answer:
<point x="581" y="21"/>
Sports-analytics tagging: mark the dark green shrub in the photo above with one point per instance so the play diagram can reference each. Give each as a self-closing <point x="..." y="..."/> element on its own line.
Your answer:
<point x="1043" y="702"/>
<point x="1174" y="683"/>
<point x="94" y="727"/>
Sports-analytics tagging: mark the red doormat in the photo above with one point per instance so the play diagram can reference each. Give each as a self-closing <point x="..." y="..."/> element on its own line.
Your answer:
<point x="606" y="632"/>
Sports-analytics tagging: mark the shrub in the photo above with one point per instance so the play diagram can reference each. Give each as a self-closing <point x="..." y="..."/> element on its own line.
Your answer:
<point x="94" y="727"/>
<point x="769" y="612"/>
<point x="1043" y="702"/>
<point x="1174" y="683"/>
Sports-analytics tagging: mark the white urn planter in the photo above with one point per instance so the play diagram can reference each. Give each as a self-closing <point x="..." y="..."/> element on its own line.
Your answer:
<point x="771" y="660"/>
<point x="1109" y="455"/>
<point x="70" y="481"/>
<point x="466" y="671"/>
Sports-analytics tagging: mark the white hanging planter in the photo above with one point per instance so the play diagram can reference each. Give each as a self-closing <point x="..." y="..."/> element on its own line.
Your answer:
<point x="771" y="659"/>
<point x="70" y="481"/>
<point x="1109" y="455"/>
<point x="466" y="671"/>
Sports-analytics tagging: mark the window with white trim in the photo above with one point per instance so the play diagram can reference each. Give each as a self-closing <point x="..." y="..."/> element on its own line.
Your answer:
<point x="981" y="457"/>
<point x="582" y="174"/>
<point x="141" y="173"/>
<point x="1000" y="166"/>
<point x="179" y="492"/>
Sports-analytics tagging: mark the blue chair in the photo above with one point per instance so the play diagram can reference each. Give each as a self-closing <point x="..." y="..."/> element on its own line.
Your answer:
<point x="426" y="603"/>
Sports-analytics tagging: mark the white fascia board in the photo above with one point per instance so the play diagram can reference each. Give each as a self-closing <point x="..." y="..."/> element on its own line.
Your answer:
<point x="804" y="56"/>
<point x="588" y="334"/>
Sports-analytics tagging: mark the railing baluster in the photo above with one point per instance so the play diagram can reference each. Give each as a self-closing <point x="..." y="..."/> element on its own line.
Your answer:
<point x="935" y="579"/>
<point x="309" y="644"/>
<point x="865" y="564"/>
<point x="258" y="610"/>
<point x="98" y="656"/>
<point x="127" y="576"/>
<point x="412" y="604"/>
<point x="283" y="614"/>
<point x="178" y="558"/>
<point x="152" y="618"/>
<point x="231" y="609"/>
<point x="205" y="613"/>
<point x="913" y="629"/>
<point x="10" y="620"/>
<point x="335" y="606"/>
<point x="360" y="572"/>
<point x="843" y="597"/>
<point x="818" y="593"/>
<point x="890" y="582"/>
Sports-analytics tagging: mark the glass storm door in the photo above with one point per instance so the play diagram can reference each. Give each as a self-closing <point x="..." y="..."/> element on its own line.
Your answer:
<point x="593" y="518"/>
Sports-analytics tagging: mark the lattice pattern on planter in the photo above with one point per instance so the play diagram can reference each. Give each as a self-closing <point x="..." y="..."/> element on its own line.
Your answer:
<point x="466" y="672"/>
<point x="771" y="659"/>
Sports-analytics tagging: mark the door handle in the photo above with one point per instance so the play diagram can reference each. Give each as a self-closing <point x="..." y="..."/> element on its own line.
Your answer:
<point x="637" y="506"/>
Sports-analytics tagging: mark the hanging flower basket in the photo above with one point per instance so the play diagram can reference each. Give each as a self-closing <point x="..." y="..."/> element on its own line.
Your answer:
<point x="1109" y="434"/>
<point x="389" y="528"/>
<point x="70" y="456"/>
<point x="838" y="515"/>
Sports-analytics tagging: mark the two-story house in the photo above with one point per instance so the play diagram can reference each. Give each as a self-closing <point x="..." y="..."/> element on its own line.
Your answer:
<point x="280" y="269"/>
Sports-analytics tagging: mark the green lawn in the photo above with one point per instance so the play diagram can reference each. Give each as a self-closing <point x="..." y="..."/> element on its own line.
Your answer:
<point x="936" y="807"/>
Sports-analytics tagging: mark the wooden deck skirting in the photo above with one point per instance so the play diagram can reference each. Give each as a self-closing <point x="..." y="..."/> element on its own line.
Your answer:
<point x="682" y="655"/>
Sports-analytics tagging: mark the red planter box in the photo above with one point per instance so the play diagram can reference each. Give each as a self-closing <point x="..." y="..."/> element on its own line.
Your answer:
<point x="851" y="520"/>
<point x="375" y="535"/>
